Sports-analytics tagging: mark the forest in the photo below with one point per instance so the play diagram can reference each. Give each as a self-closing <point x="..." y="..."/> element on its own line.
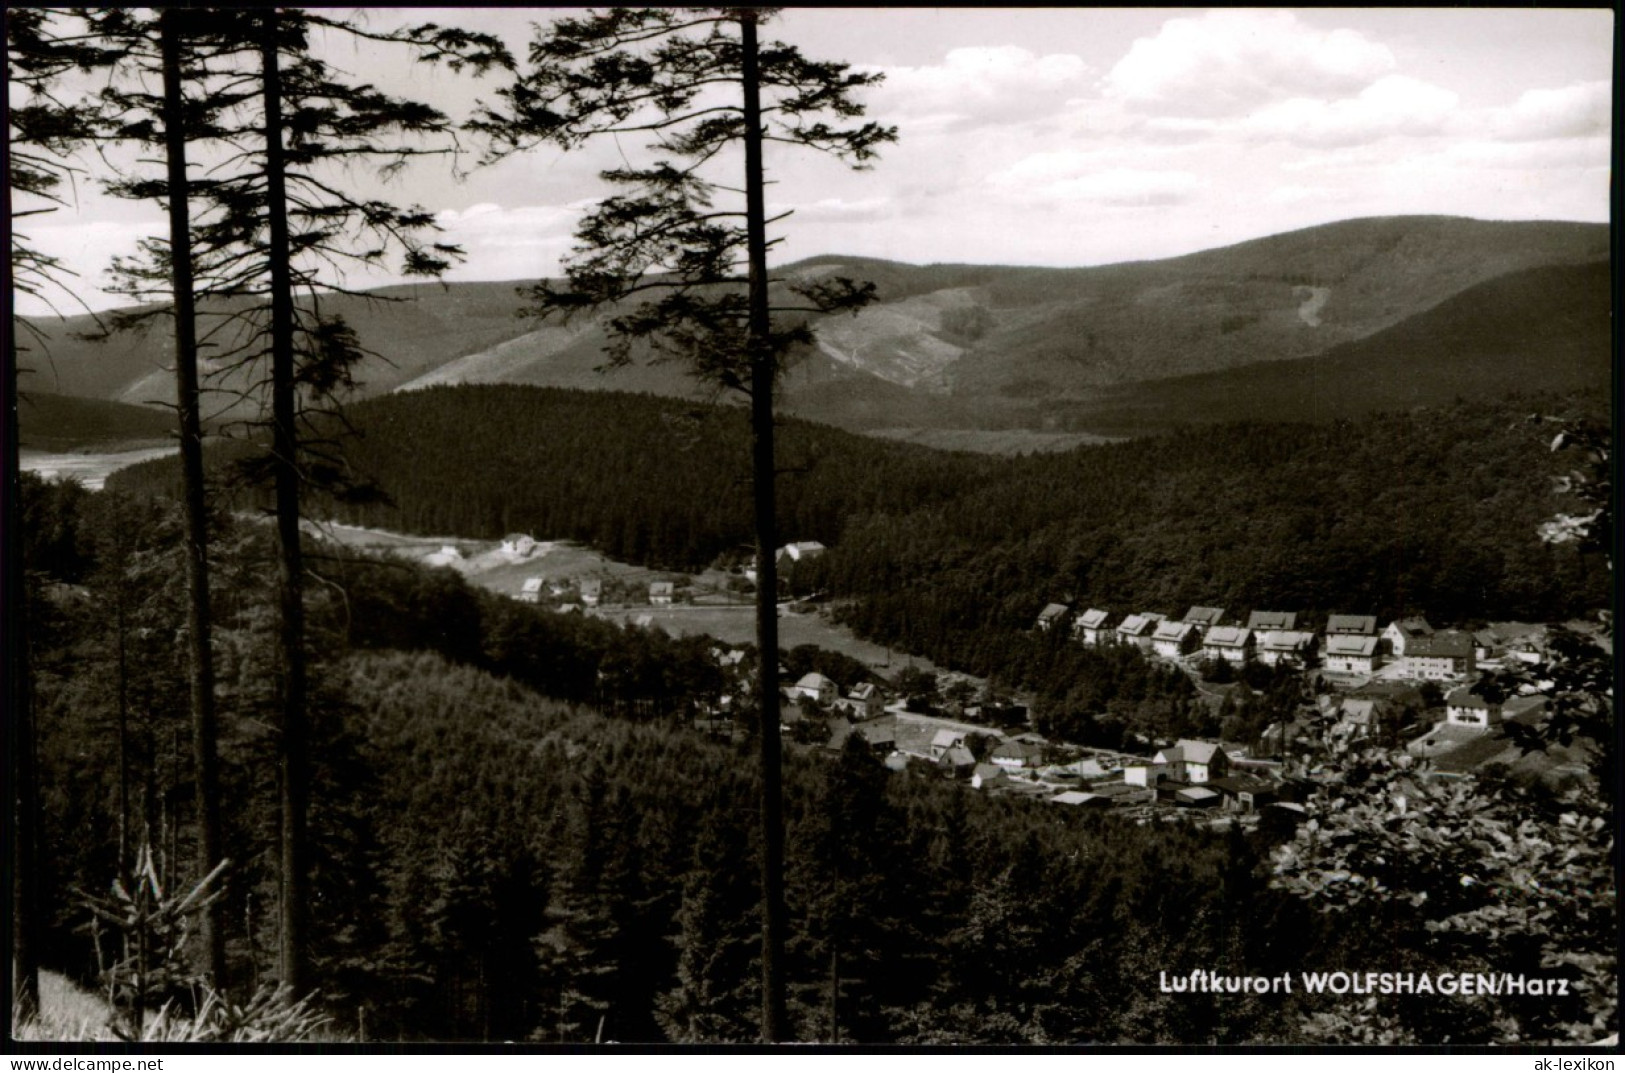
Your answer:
<point x="253" y="780"/>
<point x="518" y="837"/>
<point x="951" y="555"/>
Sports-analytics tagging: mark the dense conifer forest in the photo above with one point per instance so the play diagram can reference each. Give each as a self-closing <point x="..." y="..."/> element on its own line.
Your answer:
<point x="498" y="860"/>
<point x="520" y="836"/>
<point x="951" y="555"/>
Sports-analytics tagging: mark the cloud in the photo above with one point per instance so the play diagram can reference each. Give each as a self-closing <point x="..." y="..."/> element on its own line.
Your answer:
<point x="985" y="84"/>
<point x="1578" y="111"/>
<point x="1306" y="195"/>
<point x="1228" y="62"/>
<point x="1555" y="154"/>
<point x="1073" y="176"/>
<point x="840" y="210"/>
<point x="1392" y="105"/>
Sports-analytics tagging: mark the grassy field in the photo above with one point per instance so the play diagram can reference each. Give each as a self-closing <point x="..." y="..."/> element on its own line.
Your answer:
<point x="486" y="565"/>
<point x="737" y="625"/>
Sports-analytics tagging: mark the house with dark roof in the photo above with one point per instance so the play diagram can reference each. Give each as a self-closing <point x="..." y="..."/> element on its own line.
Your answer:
<point x="1351" y="625"/>
<point x="1272" y="620"/>
<point x="1351" y="653"/>
<point x="1093" y="627"/>
<point x="1138" y="629"/>
<point x="881" y="735"/>
<point x="1402" y="631"/>
<point x="987" y="776"/>
<point x="1233" y="644"/>
<point x="1204" y="618"/>
<point x="1081" y="799"/>
<point x="1440" y="656"/>
<point x="1171" y="640"/>
<point x="1052" y="615"/>
<point x="1197" y="797"/>
<point x="1244" y="793"/>
<point x="944" y="740"/>
<point x="1017" y="754"/>
<point x="958" y="760"/>
<point x="1515" y="640"/>
<point x="1357" y="717"/>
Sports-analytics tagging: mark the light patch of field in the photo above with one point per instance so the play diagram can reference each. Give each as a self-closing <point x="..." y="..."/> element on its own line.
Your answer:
<point x="486" y="565"/>
<point x="1314" y="300"/>
<point x="484" y="562"/>
<point x="89" y="468"/>
<point x="993" y="441"/>
<point x="737" y="625"/>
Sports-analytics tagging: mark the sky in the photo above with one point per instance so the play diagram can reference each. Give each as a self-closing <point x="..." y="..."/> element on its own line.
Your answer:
<point x="1061" y="136"/>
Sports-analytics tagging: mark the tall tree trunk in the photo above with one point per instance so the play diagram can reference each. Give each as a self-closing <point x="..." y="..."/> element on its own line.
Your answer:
<point x="295" y="774"/>
<point x="763" y="372"/>
<point x="21" y="736"/>
<point x="205" y="763"/>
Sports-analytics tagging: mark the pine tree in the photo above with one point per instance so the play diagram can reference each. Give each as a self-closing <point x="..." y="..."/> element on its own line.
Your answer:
<point x="687" y="277"/>
<point x="277" y="223"/>
<point x="43" y="134"/>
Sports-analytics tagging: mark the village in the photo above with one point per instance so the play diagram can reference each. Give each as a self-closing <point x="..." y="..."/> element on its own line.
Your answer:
<point x="1407" y="683"/>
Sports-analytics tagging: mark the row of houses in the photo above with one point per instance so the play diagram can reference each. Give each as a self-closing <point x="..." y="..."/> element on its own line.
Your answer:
<point x="1349" y="643"/>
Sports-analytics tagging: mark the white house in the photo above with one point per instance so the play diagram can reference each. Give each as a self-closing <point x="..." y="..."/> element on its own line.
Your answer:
<point x="1194" y="761"/>
<point x="1440" y="656"/>
<point x="1233" y="644"/>
<point x="816" y="687"/>
<point x="1402" y="631"/>
<point x="1285" y="646"/>
<point x="1351" y="653"/>
<point x="1093" y="627"/>
<point x="592" y="590"/>
<point x="801" y="550"/>
<point x="660" y="593"/>
<point x="518" y="545"/>
<point x="944" y="740"/>
<point x="1357" y="717"/>
<point x="1138" y="630"/>
<point x="1145" y="773"/>
<point x="1174" y="639"/>
<point x="531" y="591"/>
<point x="1467" y="709"/>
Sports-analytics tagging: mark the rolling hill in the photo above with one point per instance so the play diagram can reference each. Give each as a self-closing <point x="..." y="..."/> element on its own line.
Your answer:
<point x="1543" y="329"/>
<point x="48" y="422"/>
<point x="996" y="347"/>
